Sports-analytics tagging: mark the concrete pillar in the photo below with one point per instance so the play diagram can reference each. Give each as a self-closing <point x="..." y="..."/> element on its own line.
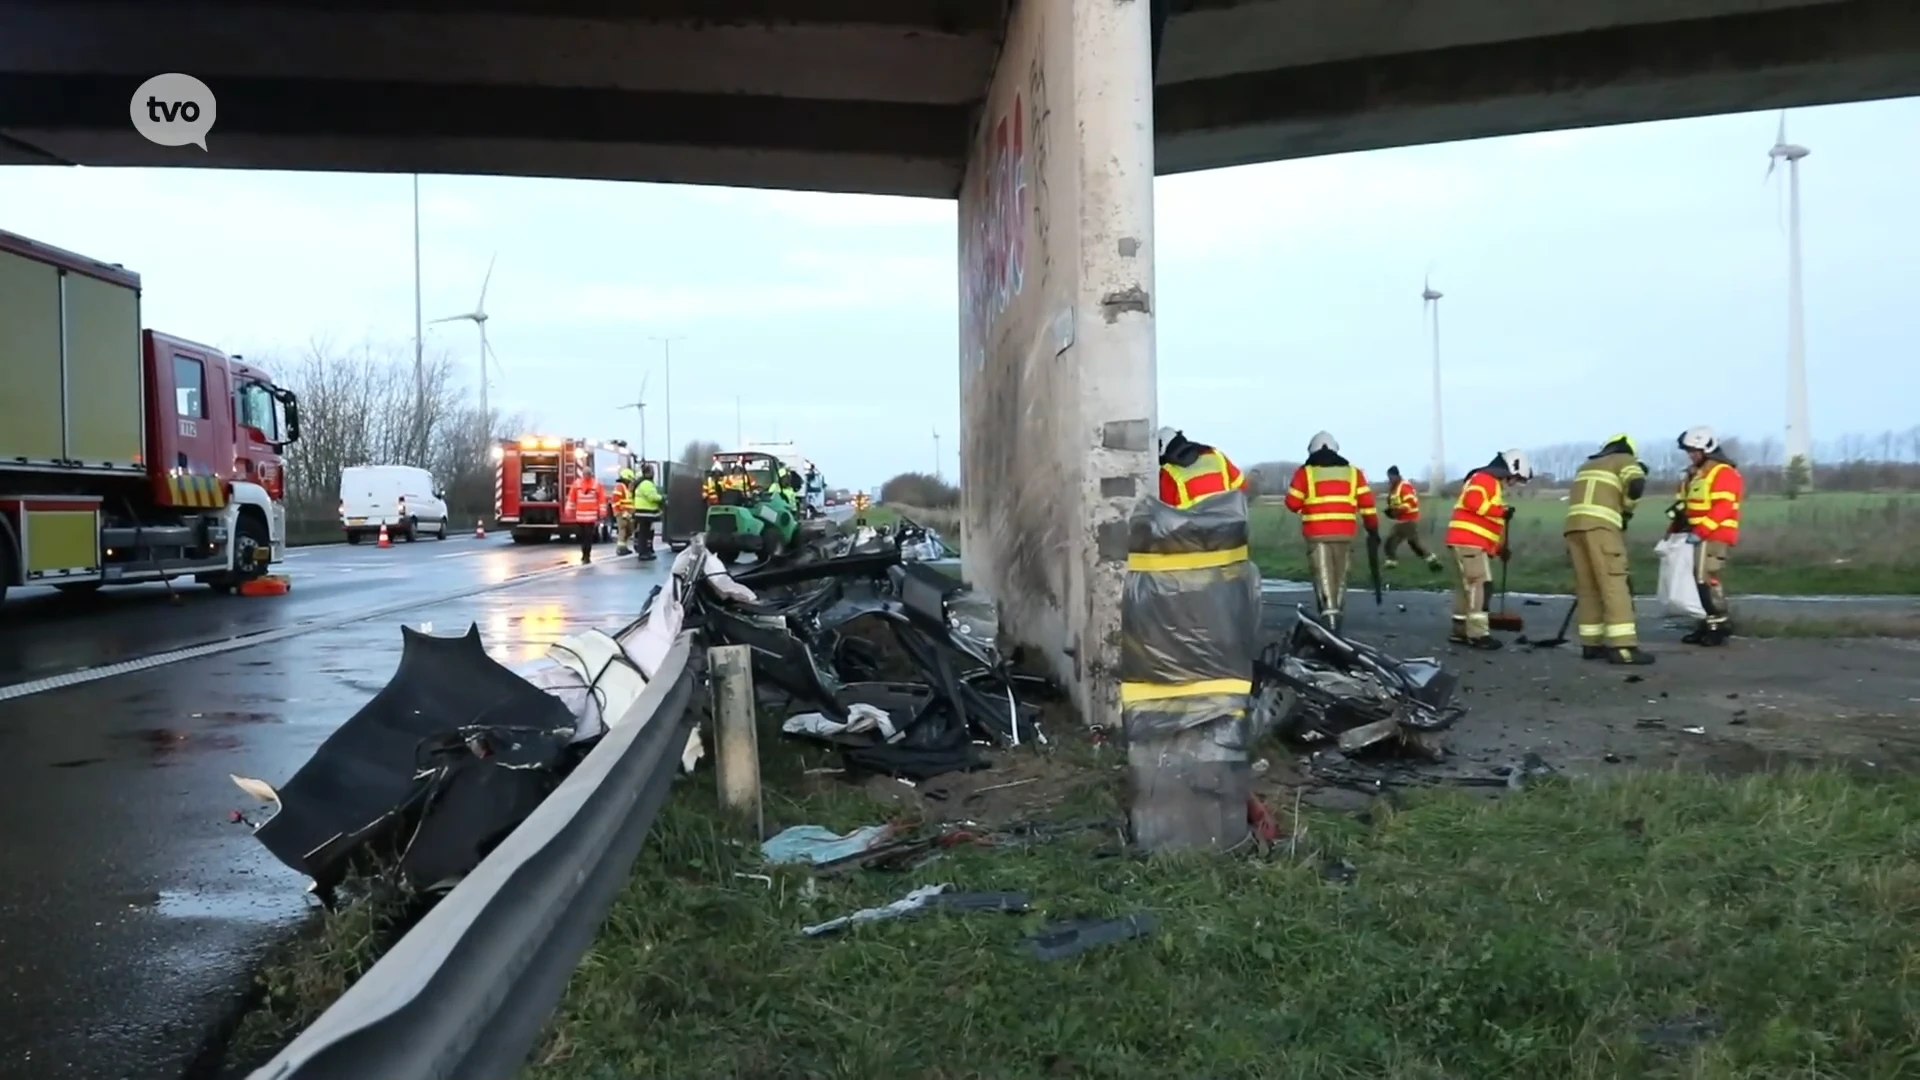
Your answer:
<point x="1056" y="331"/>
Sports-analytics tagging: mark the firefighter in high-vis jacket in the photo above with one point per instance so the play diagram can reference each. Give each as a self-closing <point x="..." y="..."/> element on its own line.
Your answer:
<point x="646" y="503"/>
<point x="1191" y="471"/>
<point x="1599" y="507"/>
<point x="1477" y="534"/>
<point x="1333" y="500"/>
<point x="860" y="503"/>
<point x="622" y="505"/>
<point x="1708" y="512"/>
<point x="1403" y="509"/>
<point x="710" y="486"/>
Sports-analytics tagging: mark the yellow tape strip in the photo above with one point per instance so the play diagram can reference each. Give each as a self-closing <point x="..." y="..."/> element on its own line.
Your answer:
<point x="1133" y="693"/>
<point x="1194" y="560"/>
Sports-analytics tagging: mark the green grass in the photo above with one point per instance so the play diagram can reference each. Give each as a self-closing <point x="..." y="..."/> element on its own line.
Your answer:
<point x="1843" y="543"/>
<point x="1530" y="938"/>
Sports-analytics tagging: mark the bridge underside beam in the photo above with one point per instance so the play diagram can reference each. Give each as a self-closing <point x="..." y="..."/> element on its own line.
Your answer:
<point x="1822" y="53"/>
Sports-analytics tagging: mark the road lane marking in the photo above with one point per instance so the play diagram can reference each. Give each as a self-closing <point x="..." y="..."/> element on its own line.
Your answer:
<point x="268" y="637"/>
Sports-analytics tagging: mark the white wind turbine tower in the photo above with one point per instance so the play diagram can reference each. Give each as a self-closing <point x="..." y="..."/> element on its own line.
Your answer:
<point x="1799" y="434"/>
<point x="1430" y="304"/>
<point x="478" y="317"/>
<point x="640" y="404"/>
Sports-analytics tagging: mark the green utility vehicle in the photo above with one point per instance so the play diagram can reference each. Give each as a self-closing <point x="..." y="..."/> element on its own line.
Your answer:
<point x="757" y="522"/>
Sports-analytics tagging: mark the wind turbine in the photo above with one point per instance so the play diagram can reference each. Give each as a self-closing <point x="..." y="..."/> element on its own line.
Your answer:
<point x="1430" y="303"/>
<point x="640" y="404"/>
<point x="1799" y="435"/>
<point x="478" y="317"/>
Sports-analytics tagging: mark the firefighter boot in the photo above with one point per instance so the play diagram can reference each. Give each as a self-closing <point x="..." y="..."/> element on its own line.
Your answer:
<point x="1433" y="563"/>
<point x="1709" y="634"/>
<point x="1390" y="564"/>
<point x="1593" y="652"/>
<point x="1628" y="654"/>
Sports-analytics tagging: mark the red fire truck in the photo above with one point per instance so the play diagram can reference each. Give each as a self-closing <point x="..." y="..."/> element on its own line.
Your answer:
<point x="530" y="484"/>
<point x="127" y="455"/>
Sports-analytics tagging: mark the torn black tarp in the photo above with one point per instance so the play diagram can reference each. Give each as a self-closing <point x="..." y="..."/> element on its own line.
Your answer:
<point x="389" y="777"/>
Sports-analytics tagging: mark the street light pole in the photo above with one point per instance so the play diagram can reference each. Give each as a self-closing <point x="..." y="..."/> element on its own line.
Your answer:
<point x="666" y="353"/>
<point x="419" y="324"/>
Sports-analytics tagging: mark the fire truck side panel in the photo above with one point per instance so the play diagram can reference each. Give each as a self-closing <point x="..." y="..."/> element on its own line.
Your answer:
<point x="506" y="486"/>
<point x="191" y="430"/>
<point x="105" y="403"/>
<point x="30" y="369"/>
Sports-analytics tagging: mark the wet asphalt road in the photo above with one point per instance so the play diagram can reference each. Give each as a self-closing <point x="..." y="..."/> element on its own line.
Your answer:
<point x="132" y="909"/>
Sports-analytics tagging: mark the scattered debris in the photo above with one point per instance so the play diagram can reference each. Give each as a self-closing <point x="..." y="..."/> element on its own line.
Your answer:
<point x="1684" y="1032"/>
<point x="1071" y="937"/>
<point x="1340" y="872"/>
<point x="816" y="844"/>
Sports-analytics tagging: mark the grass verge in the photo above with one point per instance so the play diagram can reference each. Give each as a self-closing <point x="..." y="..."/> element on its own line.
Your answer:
<point x="1838" y="545"/>
<point x="1662" y="924"/>
<point x="308" y="974"/>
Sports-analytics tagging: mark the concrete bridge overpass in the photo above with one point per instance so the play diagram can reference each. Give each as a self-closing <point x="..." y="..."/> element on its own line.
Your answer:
<point x="1046" y="118"/>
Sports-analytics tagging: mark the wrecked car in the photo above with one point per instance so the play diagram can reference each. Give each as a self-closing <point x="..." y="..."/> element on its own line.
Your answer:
<point x="1316" y="685"/>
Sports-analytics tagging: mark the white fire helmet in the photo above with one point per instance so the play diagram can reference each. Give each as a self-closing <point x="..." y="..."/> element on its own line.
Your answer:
<point x="1518" y="467"/>
<point x="1323" y="441"/>
<point x="1165" y="436"/>
<point x="1699" y="438"/>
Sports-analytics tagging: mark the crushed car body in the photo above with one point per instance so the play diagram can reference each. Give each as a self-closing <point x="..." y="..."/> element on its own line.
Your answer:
<point x="1315" y="685"/>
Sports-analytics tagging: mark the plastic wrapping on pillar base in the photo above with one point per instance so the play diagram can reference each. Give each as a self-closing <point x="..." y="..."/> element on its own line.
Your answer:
<point x="1187" y="759"/>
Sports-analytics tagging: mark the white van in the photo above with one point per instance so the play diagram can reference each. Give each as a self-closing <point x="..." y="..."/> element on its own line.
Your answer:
<point x="403" y="498"/>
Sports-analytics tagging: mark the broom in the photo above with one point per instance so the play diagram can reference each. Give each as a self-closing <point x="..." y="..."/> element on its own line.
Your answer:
<point x="1500" y="620"/>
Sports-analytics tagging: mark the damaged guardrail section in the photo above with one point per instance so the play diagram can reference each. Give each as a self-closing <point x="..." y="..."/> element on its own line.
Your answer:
<point x="465" y="993"/>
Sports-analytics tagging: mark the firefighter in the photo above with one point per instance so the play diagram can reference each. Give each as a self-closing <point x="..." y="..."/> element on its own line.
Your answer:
<point x="646" y="512"/>
<point x="586" y="501"/>
<point x="1331" y="494"/>
<point x="1403" y="507"/>
<point x="1476" y="534"/>
<point x="711" y="485"/>
<point x="623" y="511"/>
<point x="860" y="504"/>
<point x="1605" y="491"/>
<point x="1708" y="511"/>
<point x="1191" y="471"/>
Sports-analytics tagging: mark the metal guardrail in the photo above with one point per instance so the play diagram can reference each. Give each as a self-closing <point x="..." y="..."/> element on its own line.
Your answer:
<point x="465" y="993"/>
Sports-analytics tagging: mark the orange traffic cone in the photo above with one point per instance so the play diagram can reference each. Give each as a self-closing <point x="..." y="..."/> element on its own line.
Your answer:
<point x="479" y="529"/>
<point x="384" y="542"/>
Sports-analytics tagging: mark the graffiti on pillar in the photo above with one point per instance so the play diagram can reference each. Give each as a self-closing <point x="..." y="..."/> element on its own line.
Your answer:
<point x="1039" y="113"/>
<point x="993" y="251"/>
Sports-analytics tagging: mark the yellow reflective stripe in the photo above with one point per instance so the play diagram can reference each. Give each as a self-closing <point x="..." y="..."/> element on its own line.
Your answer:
<point x="1145" y="563"/>
<point x="1476" y="529"/>
<point x="1346" y="516"/>
<point x="1604" y="513"/>
<point x="1134" y="693"/>
<point x="1722" y="496"/>
<point x="1620" y="630"/>
<point x="1296" y="493"/>
<point x="1600" y="476"/>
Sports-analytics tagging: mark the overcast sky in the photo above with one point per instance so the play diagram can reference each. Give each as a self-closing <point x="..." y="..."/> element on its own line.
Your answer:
<point x="1596" y="280"/>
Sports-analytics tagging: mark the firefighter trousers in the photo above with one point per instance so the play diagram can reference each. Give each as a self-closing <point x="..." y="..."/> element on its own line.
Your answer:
<point x="644" y="523"/>
<point x="1602" y="602"/>
<point x="625" y="538"/>
<point x="1408" y="533"/>
<point x="1470" y="592"/>
<point x="1329" y="559"/>
<point x="1709" y="559"/>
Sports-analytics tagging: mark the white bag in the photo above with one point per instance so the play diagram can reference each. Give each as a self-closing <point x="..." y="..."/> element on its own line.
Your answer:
<point x="1679" y="593"/>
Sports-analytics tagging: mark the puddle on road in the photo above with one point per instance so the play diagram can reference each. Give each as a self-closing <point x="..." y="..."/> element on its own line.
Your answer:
<point x="264" y="906"/>
<point x="163" y="744"/>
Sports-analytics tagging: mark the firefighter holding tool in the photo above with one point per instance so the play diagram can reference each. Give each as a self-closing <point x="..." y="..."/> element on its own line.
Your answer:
<point x="1403" y="509"/>
<point x="1333" y="500"/>
<point x="1599" y="507"/>
<point x="1477" y="534"/>
<point x="1708" y="512"/>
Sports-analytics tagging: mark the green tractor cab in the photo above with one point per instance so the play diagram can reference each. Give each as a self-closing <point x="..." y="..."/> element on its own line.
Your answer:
<point x="761" y="522"/>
